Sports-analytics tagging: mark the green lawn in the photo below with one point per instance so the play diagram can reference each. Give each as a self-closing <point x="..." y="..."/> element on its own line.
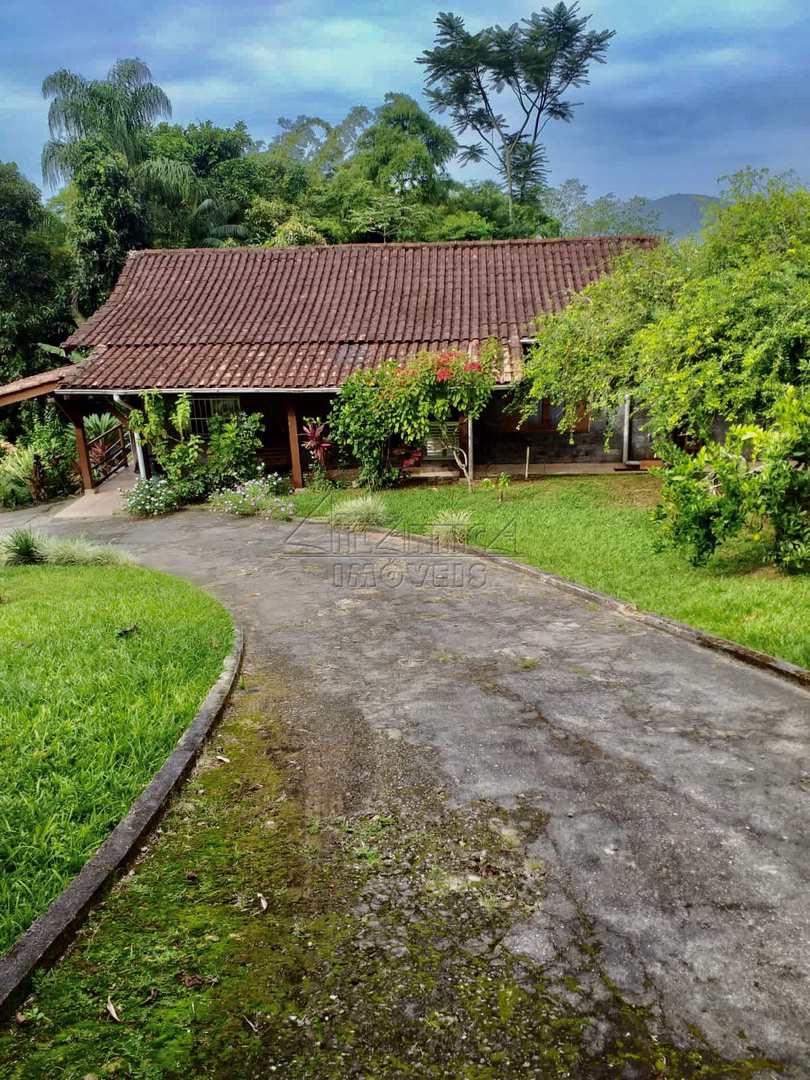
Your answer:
<point x="597" y="530"/>
<point x="88" y="715"/>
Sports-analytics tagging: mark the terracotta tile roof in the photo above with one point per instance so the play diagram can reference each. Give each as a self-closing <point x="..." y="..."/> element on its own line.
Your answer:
<point x="263" y="318"/>
<point x="33" y="385"/>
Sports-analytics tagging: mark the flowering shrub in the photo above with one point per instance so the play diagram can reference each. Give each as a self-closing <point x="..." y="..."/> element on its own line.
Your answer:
<point x="396" y="403"/>
<point x="151" y="497"/>
<point x="264" y="497"/>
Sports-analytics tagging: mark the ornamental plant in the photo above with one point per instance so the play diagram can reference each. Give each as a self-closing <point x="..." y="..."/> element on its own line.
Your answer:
<point x="193" y="466"/>
<point x="148" y="498"/>
<point x="263" y="497"/>
<point x="381" y="409"/>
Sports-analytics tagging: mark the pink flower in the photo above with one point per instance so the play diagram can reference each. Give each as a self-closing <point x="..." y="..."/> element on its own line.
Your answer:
<point x="443" y="374"/>
<point x="472" y="365"/>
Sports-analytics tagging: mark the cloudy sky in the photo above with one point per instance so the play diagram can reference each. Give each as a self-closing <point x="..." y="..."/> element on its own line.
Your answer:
<point x="692" y="88"/>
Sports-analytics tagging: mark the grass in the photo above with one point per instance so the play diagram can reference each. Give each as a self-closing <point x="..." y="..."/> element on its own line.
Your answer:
<point x="102" y="669"/>
<point x="597" y="530"/>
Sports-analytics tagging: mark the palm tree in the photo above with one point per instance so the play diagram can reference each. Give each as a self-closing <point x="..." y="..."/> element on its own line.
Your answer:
<point x="118" y="111"/>
<point x="210" y="224"/>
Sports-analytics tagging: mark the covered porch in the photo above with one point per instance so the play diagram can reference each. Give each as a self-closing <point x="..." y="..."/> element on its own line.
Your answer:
<point x="283" y="415"/>
<point x="97" y="458"/>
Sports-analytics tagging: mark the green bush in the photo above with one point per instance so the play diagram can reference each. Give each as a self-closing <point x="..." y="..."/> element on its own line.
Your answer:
<point x="16" y="468"/>
<point x="232" y="454"/>
<point x="357" y="515"/>
<point x="42" y="465"/>
<point x="151" y="497"/>
<point x="53" y="446"/>
<point x="193" y="467"/>
<point x="757" y="480"/>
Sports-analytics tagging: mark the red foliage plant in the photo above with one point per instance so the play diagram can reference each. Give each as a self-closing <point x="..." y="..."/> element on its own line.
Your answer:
<point x="316" y="443"/>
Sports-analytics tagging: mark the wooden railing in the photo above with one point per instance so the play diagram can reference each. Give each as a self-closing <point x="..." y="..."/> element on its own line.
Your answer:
<point x="108" y="452"/>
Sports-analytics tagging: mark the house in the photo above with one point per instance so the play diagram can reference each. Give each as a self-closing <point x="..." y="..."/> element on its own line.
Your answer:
<point x="277" y="331"/>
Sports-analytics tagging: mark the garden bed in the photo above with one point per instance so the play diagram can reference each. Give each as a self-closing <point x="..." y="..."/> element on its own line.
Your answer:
<point x="597" y="530"/>
<point x="103" y="669"/>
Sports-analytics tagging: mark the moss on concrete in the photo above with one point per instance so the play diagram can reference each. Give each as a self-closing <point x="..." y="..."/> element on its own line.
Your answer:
<point x="255" y="940"/>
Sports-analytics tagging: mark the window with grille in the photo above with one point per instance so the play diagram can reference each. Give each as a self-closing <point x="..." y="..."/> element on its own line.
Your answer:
<point x="441" y="441"/>
<point x="203" y="408"/>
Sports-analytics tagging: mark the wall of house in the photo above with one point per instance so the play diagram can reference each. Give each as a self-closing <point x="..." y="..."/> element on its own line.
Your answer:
<point x="499" y="439"/>
<point x="273" y="408"/>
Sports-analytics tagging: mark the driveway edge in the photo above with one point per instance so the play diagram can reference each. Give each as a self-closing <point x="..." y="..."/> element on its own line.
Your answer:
<point x="782" y="668"/>
<point x="47" y="938"/>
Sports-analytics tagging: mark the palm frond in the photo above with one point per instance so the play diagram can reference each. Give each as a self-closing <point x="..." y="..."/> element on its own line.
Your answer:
<point x="166" y="176"/>
<point x="56" y="162"/>
<point x="117" y="110"/>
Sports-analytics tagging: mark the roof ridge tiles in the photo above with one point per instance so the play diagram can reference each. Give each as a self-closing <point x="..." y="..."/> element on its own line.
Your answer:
<point x="399" y="245"/>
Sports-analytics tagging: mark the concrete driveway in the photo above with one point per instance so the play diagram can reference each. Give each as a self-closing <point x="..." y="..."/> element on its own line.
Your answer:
<point x="673" y="783"/>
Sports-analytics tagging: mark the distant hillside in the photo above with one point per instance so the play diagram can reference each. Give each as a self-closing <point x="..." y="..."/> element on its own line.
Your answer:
<point x="680" y="215"/>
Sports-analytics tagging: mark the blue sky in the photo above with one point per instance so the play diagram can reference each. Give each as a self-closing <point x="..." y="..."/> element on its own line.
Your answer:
<point x="692" y="88"/>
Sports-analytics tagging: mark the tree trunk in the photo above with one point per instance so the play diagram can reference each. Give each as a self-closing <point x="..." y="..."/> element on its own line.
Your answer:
<point x="507" y="166"/>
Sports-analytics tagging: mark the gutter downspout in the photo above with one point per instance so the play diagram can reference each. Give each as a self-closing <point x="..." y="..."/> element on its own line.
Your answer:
<point x="135" y="437"/>
<point x="626" y="431"/>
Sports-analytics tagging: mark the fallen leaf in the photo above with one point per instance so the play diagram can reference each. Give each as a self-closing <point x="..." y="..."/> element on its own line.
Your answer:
<point x="126" y="631"/>
<point x="189" y="980"/>
<point x="112" y="1011"/>
<point x="21" y="1018"/>
<point x="262" y="901"/>
<point x="152" y="995"/>
<point x="253" y="1027"/>
<point x="221" y="757"/>
<point x="192" y="875"/>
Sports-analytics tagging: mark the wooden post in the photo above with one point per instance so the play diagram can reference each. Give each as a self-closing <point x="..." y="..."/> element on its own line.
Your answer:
<point x="82" y="455"/>
<point x="295" y="448"/>
<point x="75" y="415"/>
<point x="470" y="454"/>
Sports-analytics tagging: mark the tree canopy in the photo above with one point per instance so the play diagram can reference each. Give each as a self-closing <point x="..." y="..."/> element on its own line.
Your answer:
<point x="35" y="275"/>
<point x="699" y="333"/>
<point x="537" y="61"/>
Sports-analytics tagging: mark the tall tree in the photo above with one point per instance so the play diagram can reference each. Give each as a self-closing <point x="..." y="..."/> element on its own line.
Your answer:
<point x="35" y="273"/>
<point x="115" y="113"/>
<point x="107" y="221"/>
<point x="404" y="150"/>
<point x="537" y="61"/>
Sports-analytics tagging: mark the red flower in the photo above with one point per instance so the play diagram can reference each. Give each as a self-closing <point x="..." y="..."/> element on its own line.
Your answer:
<point x="472" y="365"/>
<point x="443" y="374"/>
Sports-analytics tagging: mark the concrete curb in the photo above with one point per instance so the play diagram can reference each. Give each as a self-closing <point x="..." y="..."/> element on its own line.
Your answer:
<point x="47" y="938"/>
